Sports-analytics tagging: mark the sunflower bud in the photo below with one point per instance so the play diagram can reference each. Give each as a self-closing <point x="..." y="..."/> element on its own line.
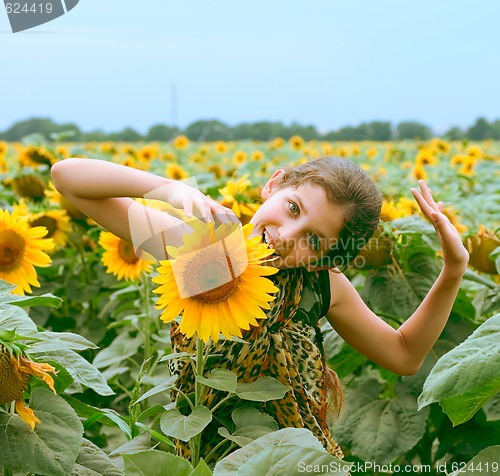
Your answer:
<point x="480" y="246"/>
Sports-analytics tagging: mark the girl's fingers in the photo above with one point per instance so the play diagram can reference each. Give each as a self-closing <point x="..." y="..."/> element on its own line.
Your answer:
<point x="218" y="209"/>
<point x="427" y="194"/>
<point x="188" y="208"/>
<point x="422" y="203"/>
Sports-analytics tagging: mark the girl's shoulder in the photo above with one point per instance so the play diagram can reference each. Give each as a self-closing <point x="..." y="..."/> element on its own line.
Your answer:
<point x="339" y="286"/>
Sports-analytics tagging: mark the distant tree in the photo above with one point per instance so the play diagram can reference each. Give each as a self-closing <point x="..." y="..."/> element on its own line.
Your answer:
<point x="44" y="126"/>
<point x="380" y="130"/>
<point x="455" y="133"/>
<point x="480" y="130"/>
<point x="241" y="131"/>
<point x="161" y="133"/>
<point x="94" y="136"/>
<point x="263" y="131"/>
<point x="306" y="132"/>
<point x="413" y="131"/>
<point x="376" y="130"/>
<point x="127" y="135"/>
<point x="208" y="130"/>
<point x="358" y="133"/>
<point x="495" y="130"/>
<point x="266" y="130"/>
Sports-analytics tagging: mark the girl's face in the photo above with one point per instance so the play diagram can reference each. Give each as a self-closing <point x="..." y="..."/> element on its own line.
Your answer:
<point x="301" y="224"/>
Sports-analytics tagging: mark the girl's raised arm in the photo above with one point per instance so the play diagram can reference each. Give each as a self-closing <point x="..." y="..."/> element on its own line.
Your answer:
<point x="104" y="191"/>
<point x="403" y="350"/>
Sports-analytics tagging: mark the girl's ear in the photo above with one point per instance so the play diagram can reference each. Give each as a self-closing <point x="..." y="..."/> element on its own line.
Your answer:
<point x="272" y="183"/>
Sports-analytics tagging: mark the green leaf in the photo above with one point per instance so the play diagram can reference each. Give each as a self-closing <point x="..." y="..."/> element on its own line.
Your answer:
<point x="287" y="451"/>
<point x="157" y="435"/>
<point x="48" y="300"/>
<point x="486" y="463"/>
<point x="174" y="424"/>
<point x="413" y="224"/>
<point x="396" y="294"/>
<point x="262" y="390"/>
<point x="176" y="355"/>
<point x="5" y="289"/>
<point x="220" y="379"/>
<point x="151" y="411"/>
<point x="52" y="447"/>
<point x="470" y="370"/>
<point x="249" y="416"/>
<point x="56" y="340"/>
<point x="463" y="306"/>
<point x="168" y="383"/>
<point x="81" y="370"/>
<point x="377" y="429"/>
<point x="461" y="408"/>
<point x="346" y="361"/>
<point x="246" y="435"/>
<point x="121" y="349"/>
<point x="202" y="470"/>
<point x="105" y="415"/>
<point x="92" y="461"/>
<point x="155" y="463"/>
<point x="13" y="317"/>
<point x="492" y="408"/>
<point x="139" y="443"/>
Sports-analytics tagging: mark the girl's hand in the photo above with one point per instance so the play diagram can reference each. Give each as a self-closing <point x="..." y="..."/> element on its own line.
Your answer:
<point x="455" y="254"/>
<point x="192" y="201"/>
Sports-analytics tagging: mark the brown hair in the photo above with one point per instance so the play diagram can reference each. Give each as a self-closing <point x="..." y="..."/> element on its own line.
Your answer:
<point x="345" y="183"/>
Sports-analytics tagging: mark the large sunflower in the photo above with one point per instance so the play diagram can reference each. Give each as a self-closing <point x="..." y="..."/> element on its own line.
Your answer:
<point x="15" y="372"/>
<point x="21" y="249"/>
<point x="57" y="222"/>
<point x="120" y="258"/>
<point x="216" y="279"/>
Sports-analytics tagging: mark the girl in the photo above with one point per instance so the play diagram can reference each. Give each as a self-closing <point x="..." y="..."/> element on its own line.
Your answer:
<point x="316" y="216"/>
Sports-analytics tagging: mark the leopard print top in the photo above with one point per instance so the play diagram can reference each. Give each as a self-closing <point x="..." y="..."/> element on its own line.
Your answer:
<point x="287" y="346"/>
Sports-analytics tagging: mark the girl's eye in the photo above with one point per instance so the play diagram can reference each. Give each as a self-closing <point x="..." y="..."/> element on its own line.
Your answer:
<point x="293" y="208"/>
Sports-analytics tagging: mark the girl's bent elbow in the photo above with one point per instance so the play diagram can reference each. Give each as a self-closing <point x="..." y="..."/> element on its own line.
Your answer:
<point x="56" y="172"/>
<point x="59" y="173"/>
<point x="409" y="370"/>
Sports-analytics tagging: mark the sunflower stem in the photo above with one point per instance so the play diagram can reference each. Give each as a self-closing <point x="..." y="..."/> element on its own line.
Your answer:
<point x="226" y="398"/>
<point x="198" y="397"/>
<point x="147" y="318"/>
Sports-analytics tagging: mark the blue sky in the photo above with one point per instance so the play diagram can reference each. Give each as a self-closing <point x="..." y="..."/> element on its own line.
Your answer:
<point x="111" y="64"/>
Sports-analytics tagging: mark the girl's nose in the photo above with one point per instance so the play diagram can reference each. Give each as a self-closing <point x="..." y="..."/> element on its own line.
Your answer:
<point x="287" y="236"/>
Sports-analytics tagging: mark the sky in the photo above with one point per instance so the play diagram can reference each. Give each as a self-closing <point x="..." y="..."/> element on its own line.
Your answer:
<point x="111" y="64"/>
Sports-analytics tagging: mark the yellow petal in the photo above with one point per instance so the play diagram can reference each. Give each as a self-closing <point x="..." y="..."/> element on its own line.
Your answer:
<point x="27" y="414"/>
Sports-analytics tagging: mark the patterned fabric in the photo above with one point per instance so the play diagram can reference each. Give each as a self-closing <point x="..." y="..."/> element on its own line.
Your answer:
<point x="287" y="346"/>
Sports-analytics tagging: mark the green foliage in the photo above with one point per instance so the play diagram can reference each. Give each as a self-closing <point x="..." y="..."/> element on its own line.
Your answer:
<point x="282" y="452"/>
<point x="467" y="376"/>
<point x="92" y="461"/>
<point x="486" y="463"/>
<point x="155" y="463"/>
<point x="369" y="426"/>
<point x="52" y="447"/>
<point x="111" y="351"/>
<point x="174" y="424"/>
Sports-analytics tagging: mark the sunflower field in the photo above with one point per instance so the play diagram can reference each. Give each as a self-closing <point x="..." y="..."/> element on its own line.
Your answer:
<point x="85" y="385"/>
